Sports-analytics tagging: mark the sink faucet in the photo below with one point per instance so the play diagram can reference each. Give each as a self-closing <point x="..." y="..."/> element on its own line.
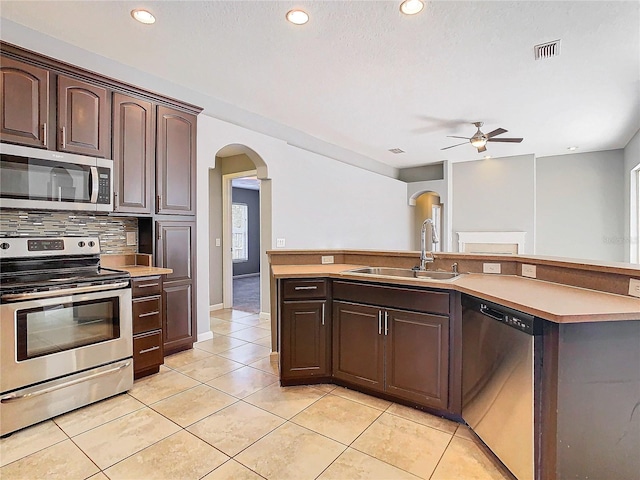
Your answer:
<point x="427" y="256"/>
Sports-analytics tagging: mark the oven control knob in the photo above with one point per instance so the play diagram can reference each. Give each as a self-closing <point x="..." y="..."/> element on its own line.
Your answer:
<point x="4" y="245"/>
<point x="92" y="243"/>
<point x="81" y="244"/>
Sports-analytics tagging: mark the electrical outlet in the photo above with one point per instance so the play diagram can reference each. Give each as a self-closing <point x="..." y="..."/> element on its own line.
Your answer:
<point x="218" y="242"/>
<point x="327" y="259"/>
<point x="490" y="268"/>
<point x="131" y="238"/>
<point x="280" y="242"/>
<point x="528" y="270"/>
<point x="634" y="287"/>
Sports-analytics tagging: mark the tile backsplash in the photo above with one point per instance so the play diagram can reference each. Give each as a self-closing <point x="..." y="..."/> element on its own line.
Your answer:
<point x="112" y="231"/>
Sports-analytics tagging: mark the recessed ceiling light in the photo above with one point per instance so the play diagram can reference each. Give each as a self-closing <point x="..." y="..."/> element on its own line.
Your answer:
<point x="572" y="148"/>
<point x="143" y="16"/>
<point x="297" y="17"/>
<point x="411" y="7"/>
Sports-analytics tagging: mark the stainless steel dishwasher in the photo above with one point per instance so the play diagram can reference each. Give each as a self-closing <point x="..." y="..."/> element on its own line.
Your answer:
<point x="498" y="380"/>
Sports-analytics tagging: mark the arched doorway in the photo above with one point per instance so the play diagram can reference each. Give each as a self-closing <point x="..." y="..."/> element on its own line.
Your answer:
<point x="428" y="204"/>
<point x="234" y="162"/>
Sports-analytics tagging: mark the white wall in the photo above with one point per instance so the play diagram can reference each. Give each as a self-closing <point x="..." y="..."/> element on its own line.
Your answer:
<point x="317" y="202"/>
<point x="580" y="206"/>
<point x="495" y="195"/>
<point x="631" y="163"/>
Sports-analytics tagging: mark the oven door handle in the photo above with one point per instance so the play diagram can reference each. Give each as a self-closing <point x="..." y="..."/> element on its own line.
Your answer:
<point x="13" y="397"/>
<point x="93" y="178"/>
<point x="63" y="291"/>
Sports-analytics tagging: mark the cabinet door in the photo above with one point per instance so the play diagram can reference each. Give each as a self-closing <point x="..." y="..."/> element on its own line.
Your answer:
<point x="175" y="249"/>
<point x="133" y="154"/>
<point x="417" y="357"/>
<point x="305" y="330"/>
<point x="84" y="118"/>
<point x="358" y="345"/>
<point x="179" y="330"/>
<point x="24" y="91"/>
<point x="176" y="162"/>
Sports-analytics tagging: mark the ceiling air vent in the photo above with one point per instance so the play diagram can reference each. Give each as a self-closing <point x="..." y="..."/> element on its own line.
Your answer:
<point x="396" y="150"/>
<point x="547" y="50"/>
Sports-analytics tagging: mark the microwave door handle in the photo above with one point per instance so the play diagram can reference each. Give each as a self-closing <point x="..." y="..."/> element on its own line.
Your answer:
<point x="93" y="179"/>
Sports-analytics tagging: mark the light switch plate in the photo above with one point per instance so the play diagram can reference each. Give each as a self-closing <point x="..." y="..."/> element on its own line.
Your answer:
<point x="131" y="238"/>
<point x="218" y="242"/>
<point x="280" y="242"/>
<point x="528" y="270"/>
<point x="634" y="287"/>
<point x="327" y="259"/>
<point x="491" y="268"/>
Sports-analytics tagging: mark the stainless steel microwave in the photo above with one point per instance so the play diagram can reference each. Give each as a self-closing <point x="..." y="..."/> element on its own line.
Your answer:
<point x="32" y="178"/>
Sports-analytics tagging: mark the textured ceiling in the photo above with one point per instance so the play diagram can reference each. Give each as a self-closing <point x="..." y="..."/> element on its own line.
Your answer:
<point x="363" y="77"/>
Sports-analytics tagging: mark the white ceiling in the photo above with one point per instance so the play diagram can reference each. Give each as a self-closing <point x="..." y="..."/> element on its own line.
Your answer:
<point x="361" y="77"/>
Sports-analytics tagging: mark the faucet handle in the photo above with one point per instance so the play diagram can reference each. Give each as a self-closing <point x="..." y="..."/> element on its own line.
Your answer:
<point x="454" y="267"/>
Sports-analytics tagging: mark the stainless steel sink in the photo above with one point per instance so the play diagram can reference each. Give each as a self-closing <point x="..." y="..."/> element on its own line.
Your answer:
<point x="404" y="273"/>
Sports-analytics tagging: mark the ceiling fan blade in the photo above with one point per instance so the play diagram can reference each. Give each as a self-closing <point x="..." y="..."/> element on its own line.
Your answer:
<point x="482" y="149"/>
<point x="447" y="148"/>
<point x="497" y="131"/>
<point x="510" y="140"/>
<point x="453" y="136"/>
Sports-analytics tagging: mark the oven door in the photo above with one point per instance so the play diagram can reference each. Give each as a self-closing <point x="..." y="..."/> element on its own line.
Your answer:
<point x="46" y="338"/>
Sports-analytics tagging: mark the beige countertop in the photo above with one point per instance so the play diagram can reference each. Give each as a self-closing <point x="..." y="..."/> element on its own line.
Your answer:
<point x="551" y="301"/>
<point x="137" y="264"/>
<point x="142" y="270"/>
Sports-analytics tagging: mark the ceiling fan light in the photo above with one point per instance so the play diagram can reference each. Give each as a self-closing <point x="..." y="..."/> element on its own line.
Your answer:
<point x="478" y="142"/>
<point x="411" y="7"/>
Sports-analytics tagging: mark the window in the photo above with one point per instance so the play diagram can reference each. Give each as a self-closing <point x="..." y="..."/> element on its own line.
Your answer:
<point x="240" y="232"/>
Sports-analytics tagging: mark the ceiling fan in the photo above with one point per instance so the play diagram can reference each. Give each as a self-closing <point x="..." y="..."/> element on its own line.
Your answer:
<point x="479" y="139"/>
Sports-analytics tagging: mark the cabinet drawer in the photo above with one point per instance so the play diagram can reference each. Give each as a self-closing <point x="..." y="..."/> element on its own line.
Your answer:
<point x="147" y="350"/>
<point x="147" y="314"/>
<point x="145" y="286"/>
<point x="293" y="289"/>
<point x="393" y="297"/>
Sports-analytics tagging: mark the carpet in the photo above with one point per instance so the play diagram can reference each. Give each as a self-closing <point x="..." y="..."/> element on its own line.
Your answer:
<point x="246" y="294"/>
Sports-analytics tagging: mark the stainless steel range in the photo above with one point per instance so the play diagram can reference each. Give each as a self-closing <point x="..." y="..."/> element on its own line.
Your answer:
<point x="65" y="328"/>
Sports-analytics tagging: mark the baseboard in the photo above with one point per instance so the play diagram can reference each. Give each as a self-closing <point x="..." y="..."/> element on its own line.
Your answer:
<point x="246" y="275"/>
<point x="217" y="306"/>
<point x="265" y="316"/>
<point x="273" y="356"/>
<point x="205" y="336"/>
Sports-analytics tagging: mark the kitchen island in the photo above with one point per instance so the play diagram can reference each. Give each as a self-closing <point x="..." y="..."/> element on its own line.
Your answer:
<point x="587" y="382"/>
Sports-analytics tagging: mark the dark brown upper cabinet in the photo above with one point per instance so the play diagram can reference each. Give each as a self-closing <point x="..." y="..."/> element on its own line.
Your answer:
<point x="84" y="118"/>
<point x="133" y="154"/>
<point x="25" y="103"/>
<point x="176" y="162"/>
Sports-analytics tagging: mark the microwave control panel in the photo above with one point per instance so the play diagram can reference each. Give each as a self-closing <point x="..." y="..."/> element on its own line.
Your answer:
<point x="104" y="185"/>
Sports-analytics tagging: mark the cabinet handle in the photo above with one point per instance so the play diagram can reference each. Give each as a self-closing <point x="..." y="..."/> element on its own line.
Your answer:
<point x="386" y="323"/>
<point x="148" y="314"/>
<point x="147" y="350"/>
<point x="44" y="133"/>
<point x="159" y="205"/>
<point x="64" y="137"/>
<point x="305" y="288"/>
<point x="147" y="285"/>
<point x="323" y="314"/>
<point x="379" y="322"/>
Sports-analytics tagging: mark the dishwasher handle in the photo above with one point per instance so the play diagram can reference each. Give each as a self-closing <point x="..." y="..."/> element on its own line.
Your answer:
<point x="490" y="312"/>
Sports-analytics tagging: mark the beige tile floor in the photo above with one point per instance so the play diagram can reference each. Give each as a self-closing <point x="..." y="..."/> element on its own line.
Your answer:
<point x="217" y="412"/>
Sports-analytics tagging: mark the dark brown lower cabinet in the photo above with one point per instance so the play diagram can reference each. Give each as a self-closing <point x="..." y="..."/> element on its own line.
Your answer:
<point x="399" y="353"/>
<point x="417" y="357"/>
<point x="305" y="331"/>
<point x="358" y="345"/>
<point x="148" y="351"/>
<point x="175" y="249"/>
